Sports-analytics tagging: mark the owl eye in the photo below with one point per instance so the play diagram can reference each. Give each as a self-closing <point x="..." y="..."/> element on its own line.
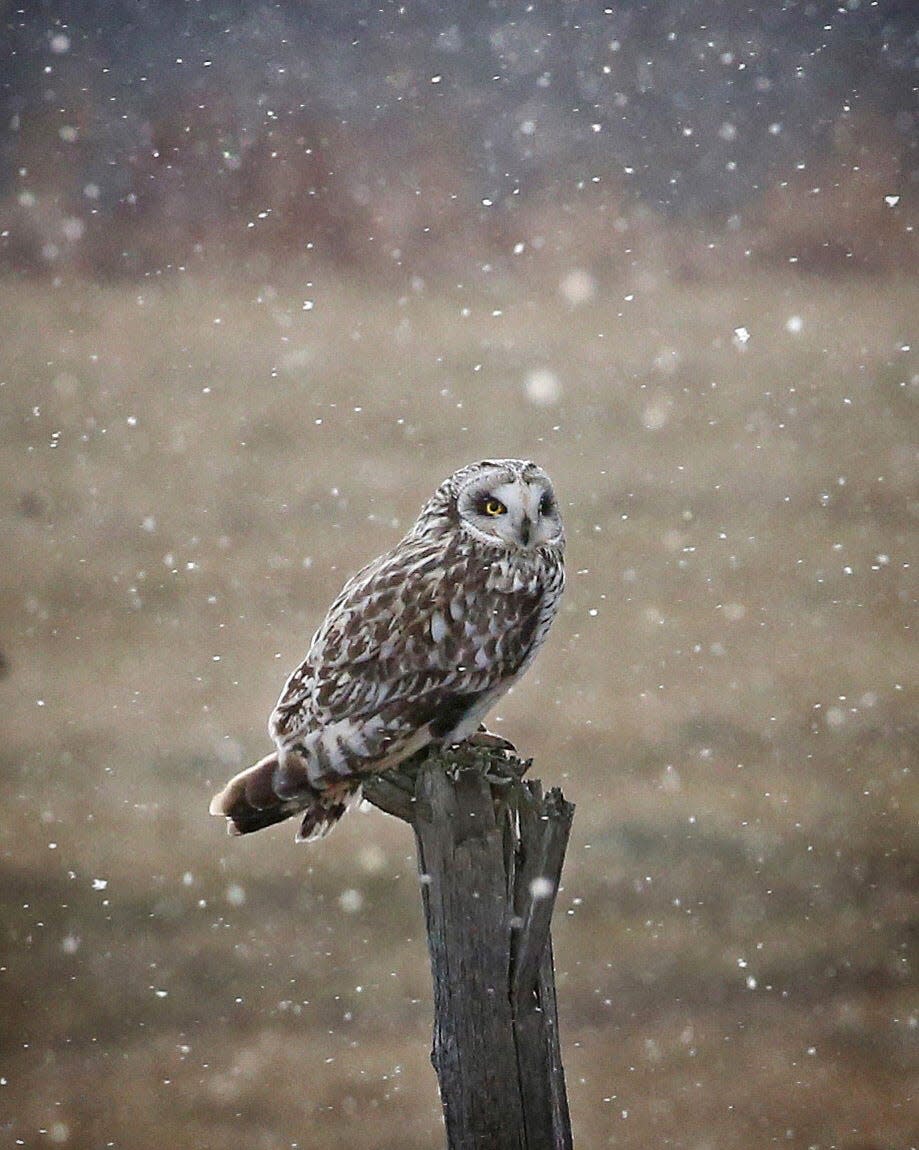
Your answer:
<point x="546" y="504"/>
<point x="493" y="507"/>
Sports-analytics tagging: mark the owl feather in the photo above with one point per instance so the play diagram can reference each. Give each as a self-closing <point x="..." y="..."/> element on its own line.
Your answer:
<point x="414" y="650"/>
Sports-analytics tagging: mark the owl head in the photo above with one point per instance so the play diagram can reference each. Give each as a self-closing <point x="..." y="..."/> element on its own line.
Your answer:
<point x="508" y="503"/>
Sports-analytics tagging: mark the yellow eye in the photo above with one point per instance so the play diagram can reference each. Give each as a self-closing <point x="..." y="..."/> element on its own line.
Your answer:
<point x="494" y="507"/>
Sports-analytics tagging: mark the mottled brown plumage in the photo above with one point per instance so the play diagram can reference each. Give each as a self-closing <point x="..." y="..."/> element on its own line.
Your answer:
<point x="415" y="649"/>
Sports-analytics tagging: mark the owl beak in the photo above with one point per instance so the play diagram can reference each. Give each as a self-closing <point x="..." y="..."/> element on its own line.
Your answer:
<point x="526" y="531"/>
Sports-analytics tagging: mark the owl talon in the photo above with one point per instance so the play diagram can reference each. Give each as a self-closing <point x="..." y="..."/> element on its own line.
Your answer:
<point x="488" y="741"/>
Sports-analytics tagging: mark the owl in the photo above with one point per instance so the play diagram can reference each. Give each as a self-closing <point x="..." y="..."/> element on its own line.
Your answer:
<point x="415" y="650"/>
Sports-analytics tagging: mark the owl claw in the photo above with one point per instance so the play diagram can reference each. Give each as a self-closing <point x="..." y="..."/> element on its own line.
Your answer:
<point x="488" y="741"/>
<point x="496" y="775"/>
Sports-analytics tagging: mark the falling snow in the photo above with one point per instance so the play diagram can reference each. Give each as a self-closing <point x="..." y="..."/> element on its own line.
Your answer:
<point x="267" y="279"/>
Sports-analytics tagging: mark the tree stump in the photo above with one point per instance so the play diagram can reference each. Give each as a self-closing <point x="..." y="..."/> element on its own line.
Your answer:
<point x="490" y="853"/>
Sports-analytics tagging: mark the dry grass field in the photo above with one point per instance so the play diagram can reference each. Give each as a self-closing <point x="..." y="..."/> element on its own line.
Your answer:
<point x="193" y="465"/>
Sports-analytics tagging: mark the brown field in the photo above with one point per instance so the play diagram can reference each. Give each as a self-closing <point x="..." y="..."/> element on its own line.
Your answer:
<point x="192" y="467"/>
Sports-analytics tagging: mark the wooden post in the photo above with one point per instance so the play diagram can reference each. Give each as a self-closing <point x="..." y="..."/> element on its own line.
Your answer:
<point x="490" y="853"/>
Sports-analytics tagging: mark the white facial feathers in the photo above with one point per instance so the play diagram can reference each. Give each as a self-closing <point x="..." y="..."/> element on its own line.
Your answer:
<point x="509" y="502"/>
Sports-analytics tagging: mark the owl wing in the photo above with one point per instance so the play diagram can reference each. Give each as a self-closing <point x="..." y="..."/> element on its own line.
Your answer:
<point x="414" y="640"/>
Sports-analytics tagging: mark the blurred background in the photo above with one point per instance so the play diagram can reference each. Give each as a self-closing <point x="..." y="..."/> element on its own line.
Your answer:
<point x="268" y="272"/>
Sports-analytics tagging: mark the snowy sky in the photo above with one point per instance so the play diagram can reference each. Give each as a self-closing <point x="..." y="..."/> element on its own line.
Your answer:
<point x="699" y="103"/>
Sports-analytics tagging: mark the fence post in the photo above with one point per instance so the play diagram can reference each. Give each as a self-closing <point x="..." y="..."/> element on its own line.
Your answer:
<point x="490" y="853"/>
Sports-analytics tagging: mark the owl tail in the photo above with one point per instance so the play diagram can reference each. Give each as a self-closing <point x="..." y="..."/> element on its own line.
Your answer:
<point x="266" y="794"/>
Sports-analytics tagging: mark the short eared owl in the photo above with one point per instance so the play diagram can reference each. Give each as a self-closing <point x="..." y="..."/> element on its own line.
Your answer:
<point x="415" y="649"/>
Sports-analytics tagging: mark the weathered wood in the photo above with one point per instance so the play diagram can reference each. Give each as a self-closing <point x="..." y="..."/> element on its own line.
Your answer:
<point x="543" y="852"/>
<point x="466" y="914"/>
<point x="490" y="854"/>
<point x="545" y="825"/>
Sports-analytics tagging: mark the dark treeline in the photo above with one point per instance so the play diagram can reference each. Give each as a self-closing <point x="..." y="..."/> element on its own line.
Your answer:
<point x="139" y="135"/>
